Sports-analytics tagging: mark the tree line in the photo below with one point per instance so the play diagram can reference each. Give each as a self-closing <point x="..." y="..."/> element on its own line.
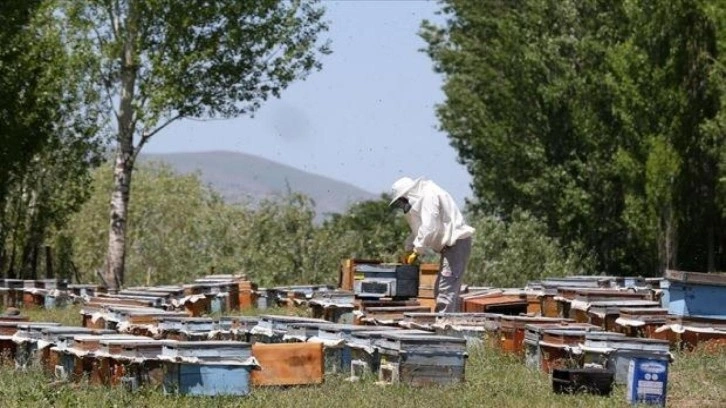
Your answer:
<point x="180" y="228"/>
<point x="603" y="119"/>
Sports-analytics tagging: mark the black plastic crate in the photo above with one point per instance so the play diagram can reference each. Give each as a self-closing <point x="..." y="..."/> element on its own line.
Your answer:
<point x="596" y="381"/>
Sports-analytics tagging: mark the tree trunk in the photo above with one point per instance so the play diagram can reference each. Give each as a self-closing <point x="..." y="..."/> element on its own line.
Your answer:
<point x="113" y="272"/>
<point x="34" y="261"/>
<point x="116" y="255"/>
<point x="711" y="247"/>
<point x="48" y="263"/>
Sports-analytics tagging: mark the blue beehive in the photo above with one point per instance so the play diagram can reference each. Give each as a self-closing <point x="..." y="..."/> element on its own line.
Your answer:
<point x="695" y="294"/>
<point x="207" y="368"/>
<point x="207" y="378"/>
<point x="647" y="381"/>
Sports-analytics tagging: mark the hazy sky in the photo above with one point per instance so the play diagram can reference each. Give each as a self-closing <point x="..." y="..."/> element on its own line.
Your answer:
<point x="366" y="118"/>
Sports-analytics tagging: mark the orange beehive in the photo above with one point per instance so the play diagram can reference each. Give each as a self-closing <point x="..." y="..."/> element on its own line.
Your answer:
<point x="288" y="363"/>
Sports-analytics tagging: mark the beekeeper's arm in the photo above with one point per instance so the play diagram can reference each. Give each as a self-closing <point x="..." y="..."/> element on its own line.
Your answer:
<point x="429" y="224"/>
<point x="408" y="243"/>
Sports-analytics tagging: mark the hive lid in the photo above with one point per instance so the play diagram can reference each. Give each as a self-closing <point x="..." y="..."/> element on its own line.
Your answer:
<point x="207" y="345"/>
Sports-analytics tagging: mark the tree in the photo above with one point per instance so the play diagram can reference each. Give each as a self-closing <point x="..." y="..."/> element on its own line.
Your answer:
<point x="375" y="230"/>
<point x="592" y="116"/>
<point x="158" y="62"/>
<point x="510" y="254"/>
<point x="47" y="133"/>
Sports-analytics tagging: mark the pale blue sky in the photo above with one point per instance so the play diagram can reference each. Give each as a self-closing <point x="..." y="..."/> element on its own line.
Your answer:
<point x="367" y="118"/>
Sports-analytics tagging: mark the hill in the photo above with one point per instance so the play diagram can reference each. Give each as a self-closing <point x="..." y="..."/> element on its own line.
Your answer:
<point x="241" y="177"/>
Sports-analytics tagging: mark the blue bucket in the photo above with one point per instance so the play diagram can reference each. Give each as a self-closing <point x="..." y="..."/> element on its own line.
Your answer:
<point x="647" y="381"/>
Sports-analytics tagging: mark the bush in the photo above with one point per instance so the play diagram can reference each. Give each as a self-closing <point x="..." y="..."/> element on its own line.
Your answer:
<point x="510" y="254"/>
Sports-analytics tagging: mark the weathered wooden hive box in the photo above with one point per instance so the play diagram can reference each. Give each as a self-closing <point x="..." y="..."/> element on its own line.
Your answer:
<point x="26" y="342"/>
<point x="135" y="320"/>
<point x="695" y="294"/>
<point x="7" y="345"/>
<point x="419" y="320"/>
<point x="427" y="284"/>
<point x="236" y="327"/>
<point x="555" y="290"/>
<point x="512" y="328"/>
<point x="247" y="297"/>
<point x="85" y="290"/>
<point x="290" y="298"/>
<point x="272" y="329"/>
<point x="587" y="296"/>
<point x="195" y="301"/>
<point x="508" y="301"/>
<point x="14" y="318"/>
<point x="12" y="292"/>
<point x="365" y="359"/>
<point x="228" y="322"/>
<point x="534" y="334"/>
<point x="263" y="298"/>
<point x="78" y="357"/>
<point x="334" y="338"/>
<point x="301" y="331"/>
<point x="208" y="368"/>
<point x="50" y="337"/>
<point x="334" y="306"/>
<point x="421" y="359"/>
<point x="640" y="322"/>
<point x="124" y="300"/>
<point x="185" y="328"/>
<point x="33" y="298"/>
<point x="133" y="360"/>
<point x="534" y="302"/>
<point x="163" y="297"/>
<point x="44" y="293"/>
<point x="288" y="364"/>
<point x="135" y="316"/>
<point x="615" y="351"/>
<point x="604" y="313"/>
<point x="476" y="328"/>
<point x="228" y="292"/>
<point x="389" y="315"/>
<point x="219" y="293"/>
<point x="560" y="348"/>
<point x="91" y="317"/>
<point x="690" y="332"/>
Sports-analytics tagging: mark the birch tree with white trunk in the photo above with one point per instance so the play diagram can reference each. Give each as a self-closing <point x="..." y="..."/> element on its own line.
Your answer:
<point x="160" y="61"/>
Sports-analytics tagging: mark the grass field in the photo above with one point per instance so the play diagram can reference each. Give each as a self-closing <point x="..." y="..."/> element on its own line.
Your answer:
<point x="493" y="380"/>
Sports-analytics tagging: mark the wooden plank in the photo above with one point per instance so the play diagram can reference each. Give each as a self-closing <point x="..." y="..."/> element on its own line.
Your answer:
<point x="288" y="364"/>
<point x="718" y="279"/>
<point x="427" y="275"/>
<point x="426" y="292"/>
<point x="430" y="304"/>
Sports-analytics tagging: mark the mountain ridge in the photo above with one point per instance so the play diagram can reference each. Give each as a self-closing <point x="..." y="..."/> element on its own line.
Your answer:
<point x="246" y="178"/>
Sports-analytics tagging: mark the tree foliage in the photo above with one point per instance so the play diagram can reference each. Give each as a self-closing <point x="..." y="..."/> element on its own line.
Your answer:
<point x="512" y="253"/>
<point x="180" y="229"/>
<point x="596" y="117"/>
<point x="48" y="134"/>
<point x="157" y="62"/>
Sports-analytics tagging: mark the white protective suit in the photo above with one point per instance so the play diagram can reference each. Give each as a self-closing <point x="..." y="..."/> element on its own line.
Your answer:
<point x="437" y="224"/>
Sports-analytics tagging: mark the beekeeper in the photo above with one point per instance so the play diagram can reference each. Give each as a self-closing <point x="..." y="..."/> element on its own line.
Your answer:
<point x="436" y="225"/>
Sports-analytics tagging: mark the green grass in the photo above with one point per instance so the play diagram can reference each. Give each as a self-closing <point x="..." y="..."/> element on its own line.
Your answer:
<point x="496" y="380"/>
